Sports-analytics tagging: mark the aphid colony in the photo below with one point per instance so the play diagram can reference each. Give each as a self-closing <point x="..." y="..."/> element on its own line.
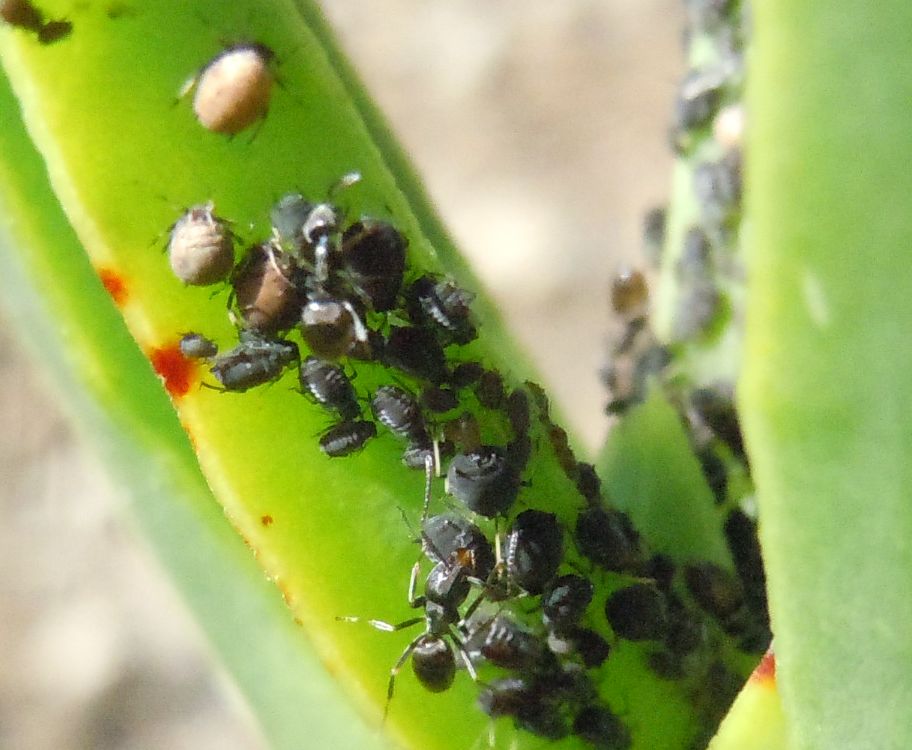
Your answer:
<point x="347" y="289"/>
<point x="707" y="128"/>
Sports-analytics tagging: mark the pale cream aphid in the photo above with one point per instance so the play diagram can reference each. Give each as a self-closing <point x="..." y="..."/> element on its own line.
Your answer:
<point x="233" y="89"/>
<point x="201" y="247"/>
<point x="728" y="126"/>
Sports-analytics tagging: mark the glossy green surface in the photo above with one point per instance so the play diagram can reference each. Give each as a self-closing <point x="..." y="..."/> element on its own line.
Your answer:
<point x="826" y="396"/>
<point x="122" y="158"/>
<point x="65" y="317"/>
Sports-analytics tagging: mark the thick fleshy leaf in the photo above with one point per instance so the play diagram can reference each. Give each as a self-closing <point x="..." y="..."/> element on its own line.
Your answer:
<point x="826" y="396"/>
<point x="52" y="296"/>
<point x="122" y="157"/>
<point x="755" y="720"/>
<point x="651" y="472"/>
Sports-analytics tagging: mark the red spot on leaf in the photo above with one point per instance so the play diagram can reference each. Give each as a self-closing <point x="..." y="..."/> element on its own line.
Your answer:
<point x="266" y="520"/>
<point x="115" y="285"/>
<point x="766" y="669"/>
<point x="175" y="369"/>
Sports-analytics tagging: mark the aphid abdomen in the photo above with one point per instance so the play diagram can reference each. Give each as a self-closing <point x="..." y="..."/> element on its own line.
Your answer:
<point x="201" y="247"/>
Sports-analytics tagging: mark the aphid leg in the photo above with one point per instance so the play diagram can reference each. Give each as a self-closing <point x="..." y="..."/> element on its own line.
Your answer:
<point x="270" y="255"/>
<point x="344" y="183"/>
<point x="437" y="458"/>
<point x="429" y="463"/>
<point x="321" y="260"/>
<point x="357" y="324"/>
<point x="415" y="601"/>
<point x="397" y="667"/>
<point x="466" y="659"/>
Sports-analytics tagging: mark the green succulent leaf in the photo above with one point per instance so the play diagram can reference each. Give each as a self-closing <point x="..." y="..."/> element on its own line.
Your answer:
<point x="122" y="156"/>
<point x="66" y="318"/>
<point x="826" y="392"/>
<point x="755" y="720"/>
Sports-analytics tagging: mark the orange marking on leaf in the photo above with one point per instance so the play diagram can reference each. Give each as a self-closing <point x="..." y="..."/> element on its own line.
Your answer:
<point x="766" y="669"/>
<point x="174" y="368"/>
<point x="266" y="520"/>
<point x="115" y="285"/>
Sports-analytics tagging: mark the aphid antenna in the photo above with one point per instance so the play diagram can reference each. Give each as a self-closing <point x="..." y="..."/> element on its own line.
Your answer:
<point x="382" y="625"/>
<point x="466" y="658"/>
<point x="429" y="463"/>
<point x="343" y="183"/>
<point x="321" y="431"/>
<point x="416" y="535"/>
<point x="357" y="323"/>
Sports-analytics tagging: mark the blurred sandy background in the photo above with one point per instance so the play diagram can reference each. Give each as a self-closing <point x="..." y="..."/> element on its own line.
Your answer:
<point x="540" y="131"/>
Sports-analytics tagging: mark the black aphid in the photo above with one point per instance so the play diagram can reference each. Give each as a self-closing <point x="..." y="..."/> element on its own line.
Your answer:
<point x="661" y="568"/>
<point x="438" y="400"/>
<point x="715" y="589"/>
<point x="373" y="256"/>
<point x="698" y="99"/>
<point x="741" y="535"/>
<point x="518" y="412"/>
<point x="602" y="729"/>
<point x="417" y="352"/>
<point x="508" y="696"/>
<point x="533" y="708"/>
<point x="534" y="549"/>
<point x="686" y="631"/>
<point x="715" y="473"/>
<point x="716" y="409"/>
<point x="444" y="305"/>
<point x="637" y="612"/>
<point x="519" y="452"/>
<point x="466" y="373"/>
<point x="707" y="16"/>
<point x="699" y="298"/>
<point x="490" y="390"/>
<point x="464" y="431"/>
<point x="607" y="537"/>
<point x="415" y="456"/>
<point x="398" y="411"/>
<point x="503" y="642"/>
<point x="588" y="483"/>
<point x="654" y="234"/>
<point x="24" y="15"/>
<point x="717" y="186"/>
<point x="253" y="362"/>
<point x="197" y="346"/>
<point x="289" y="216"/>
<point x="483" y="480"/>
<point x="331" y="327"/>
<point x="346" y="438"/>
<point x="546" y="720"/>
<point x="564" y="602"/>
<point x="329" y="386"/>
<point x="592" y="648"/>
